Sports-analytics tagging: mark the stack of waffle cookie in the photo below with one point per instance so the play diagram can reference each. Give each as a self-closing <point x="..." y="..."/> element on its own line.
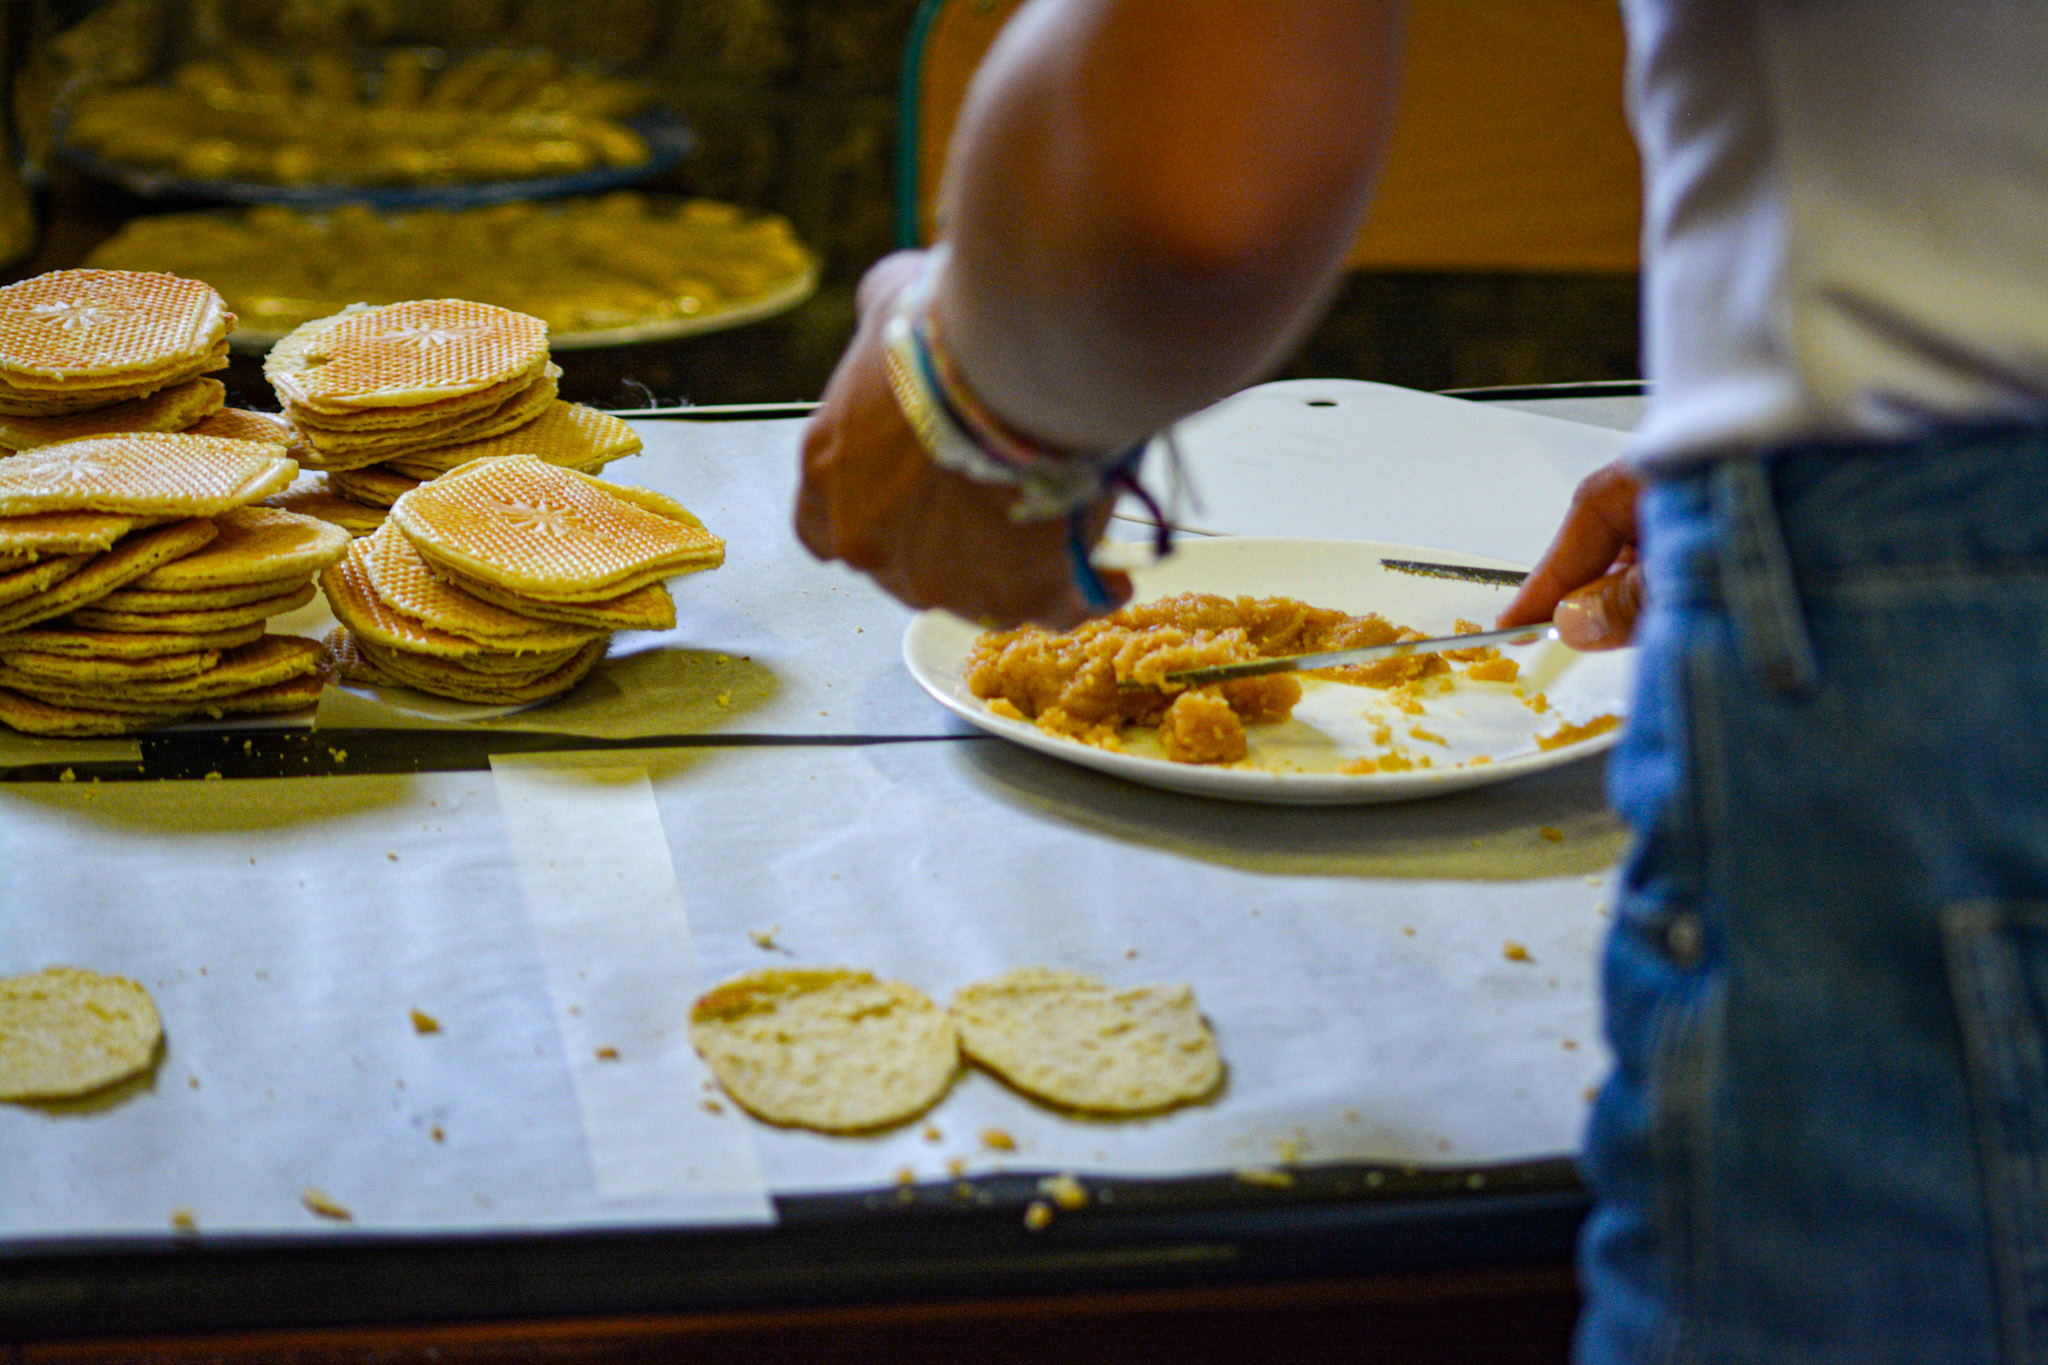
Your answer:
<point x="373" y="384"/>
<point x="502" y="580"/>
<point x="136" y="578"/>
<point x="94" y="352"/>
<point x="565" y="434"/>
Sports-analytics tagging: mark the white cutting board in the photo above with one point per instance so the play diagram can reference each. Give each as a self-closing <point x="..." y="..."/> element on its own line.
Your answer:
<point x="1358" y="461"/>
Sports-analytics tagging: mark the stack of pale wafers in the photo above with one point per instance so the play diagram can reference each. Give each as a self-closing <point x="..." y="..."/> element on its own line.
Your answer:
<point x="136" y="578"/>
<point x="95" y="352"/>
<point x="388" y="397"/>
<point x="500" y="581"/>
<point x="565" y="434"/>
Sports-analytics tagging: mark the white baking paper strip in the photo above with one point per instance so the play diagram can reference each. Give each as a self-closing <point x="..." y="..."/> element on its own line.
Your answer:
<point x="614" y="938"/>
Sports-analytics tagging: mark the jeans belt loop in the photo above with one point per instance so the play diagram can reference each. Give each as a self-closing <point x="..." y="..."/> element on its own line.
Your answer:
<point x="1756" y="578"/>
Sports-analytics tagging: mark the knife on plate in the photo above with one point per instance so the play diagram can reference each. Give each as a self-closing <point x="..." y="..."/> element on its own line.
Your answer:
<point x="1338" y="658"/>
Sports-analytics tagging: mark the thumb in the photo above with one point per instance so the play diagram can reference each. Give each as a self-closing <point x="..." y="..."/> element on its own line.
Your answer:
<point x="1602" y="614"/>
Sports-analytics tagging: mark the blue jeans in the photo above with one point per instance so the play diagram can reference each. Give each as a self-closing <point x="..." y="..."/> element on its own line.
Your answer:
<point x="1826" y="1136"/>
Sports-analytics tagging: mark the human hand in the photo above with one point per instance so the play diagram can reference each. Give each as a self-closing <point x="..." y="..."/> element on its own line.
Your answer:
<point x="870" y="496"/>
<point x="1588" y="581"/>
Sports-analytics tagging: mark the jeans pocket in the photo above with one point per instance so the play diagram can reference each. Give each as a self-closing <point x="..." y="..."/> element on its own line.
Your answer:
<point x="1998" y="972"/>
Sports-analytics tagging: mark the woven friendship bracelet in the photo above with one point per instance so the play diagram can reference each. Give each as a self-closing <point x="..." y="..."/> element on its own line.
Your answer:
<point x="959" y="434"/>
<point x="1050" y="484"/>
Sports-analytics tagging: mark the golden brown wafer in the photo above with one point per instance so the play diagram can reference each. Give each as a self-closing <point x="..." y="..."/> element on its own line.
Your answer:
<point x="174" y="409"/>
<point x="125" y="563"/>
<point x="144" y="473"/>
<point x="39" y="577"/>
<point x="219" y="618"/>
<point x="19" y="711"/>
<point x="122" y="645"/>
<point x="255" y="545"/>
<point x="532" y="528"/>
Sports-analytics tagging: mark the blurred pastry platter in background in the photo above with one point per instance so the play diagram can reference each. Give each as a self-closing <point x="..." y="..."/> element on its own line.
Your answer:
<point x="399" y="127"/>
<point x="608" y="270"/>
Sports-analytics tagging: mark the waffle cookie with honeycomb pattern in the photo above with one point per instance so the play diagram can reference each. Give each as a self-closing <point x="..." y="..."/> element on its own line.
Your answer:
<point x="148" y="583"/>
<point x="76" y="341"/>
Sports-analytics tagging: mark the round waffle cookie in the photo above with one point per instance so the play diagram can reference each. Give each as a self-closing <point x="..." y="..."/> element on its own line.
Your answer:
<point x="255" y="545"/>
<point x="196" y="621"/>
<point x="313" y="496"/>
<point x="269" y="660"/>
<point x="403" y="355"/>
<point x="356" y="603"/>
<point x="19" y="711"/>
<point x="39" y="577"/>
<point x="402" y="581"/>
<point x="146" y="473"/>
<point x="64" y="669"/>
<point x="529" y="527"/>
<point x="174" y="409"/>
<point x="444" y="678"/>
<point x="23" y="540"/>
<point x="567" y="434"/>
<point x="126" y="562"/>
<point x="374" y="484"/>
<point x="240" y="424"/>
<point x="644" y="608"/>
<point x="108" y="330"/>
<point x="132" y="598"/>
<point x="73" y="643"/>
<point x="337" y="448"/>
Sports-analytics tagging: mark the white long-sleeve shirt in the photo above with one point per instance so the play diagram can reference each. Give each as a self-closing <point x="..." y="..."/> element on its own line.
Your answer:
<point x="1845" y="217"/>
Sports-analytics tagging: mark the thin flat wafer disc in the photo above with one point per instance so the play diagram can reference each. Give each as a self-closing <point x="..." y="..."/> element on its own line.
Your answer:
<point x="531" y="528"/>
<point x="149" y="473"/>
<point x="830" y="1049"/>
<point x="333" y="452"/>
<point x="644" y="608"/>
<point x="567" y="434"/>
<point x="405" y="354"/>
<point x="147" y="601"/>
<point x="373" y="484"/>
<point x="66" y="533"/>
<point x="62" y="668"/>
<point x="353" y="596"/>
<point x="61" y="398"/>
<point x="65" y="1032"/>
<point x="1077" y="1042"/>
<point x="92" y="324"/>
<point x="48" y="573"/>
<point x="446" y="679"/>
<point x="272" y="659"/>
<point x="125" y="563"/>
<point x="173" y="409"/>
<point x="33" y="717"/>
<point x="111" y="644"/>
<point x="311" y="497"/>
<point x="350" y="663"/>
<point x="239" y="424"/>
<point x="401" y="579"/>
<point x="255" y="545"/>
<point x="294" y="694"/>
<point x="445" y="412"/>
<point x="95" y="617"/>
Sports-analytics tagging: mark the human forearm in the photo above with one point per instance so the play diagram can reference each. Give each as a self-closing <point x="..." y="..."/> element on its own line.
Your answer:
<point x="1148" y="199"/>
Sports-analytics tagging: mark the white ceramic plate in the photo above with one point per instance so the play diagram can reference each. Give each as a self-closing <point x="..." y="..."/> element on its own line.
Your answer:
<point x="1298" y="762"/>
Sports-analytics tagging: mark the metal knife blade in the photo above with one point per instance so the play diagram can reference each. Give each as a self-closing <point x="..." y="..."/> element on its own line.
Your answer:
<point x="1337" y="658"/>
<point x="1505" y="578"/>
